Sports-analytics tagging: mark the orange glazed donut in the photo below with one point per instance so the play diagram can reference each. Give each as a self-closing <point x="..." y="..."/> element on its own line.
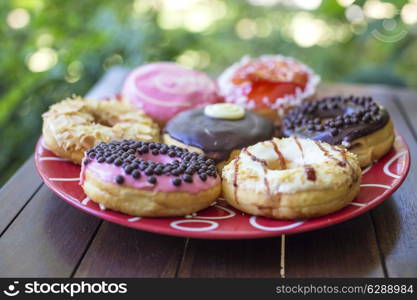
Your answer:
<point x="269" y="85"/>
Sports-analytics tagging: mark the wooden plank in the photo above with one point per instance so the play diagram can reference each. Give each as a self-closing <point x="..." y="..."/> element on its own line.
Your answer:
<point x="124" y="252"/>
<point x="348" y="249"/>
<point x="395" y="218"/>
<point x="47" y="239"/>
<point x="235" y="258"/>
<point x="17" y="191"/>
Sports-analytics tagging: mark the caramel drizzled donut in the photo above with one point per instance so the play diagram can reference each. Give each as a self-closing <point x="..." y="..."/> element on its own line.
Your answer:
<point x="357" y="123"/>
<point x="291" y="178"/>
<point x="149" y="179"/>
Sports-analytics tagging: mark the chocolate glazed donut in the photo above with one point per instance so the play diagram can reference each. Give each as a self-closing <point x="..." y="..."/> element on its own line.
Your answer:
<point x="218" y="137"/>
<point x="356" y="123"/>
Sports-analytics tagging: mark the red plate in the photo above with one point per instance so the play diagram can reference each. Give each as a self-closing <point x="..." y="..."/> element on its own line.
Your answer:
<point x="221" y="221"/>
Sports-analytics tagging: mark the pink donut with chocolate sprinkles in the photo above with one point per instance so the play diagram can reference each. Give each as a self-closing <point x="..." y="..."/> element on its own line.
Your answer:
<point x="149" y="179"/>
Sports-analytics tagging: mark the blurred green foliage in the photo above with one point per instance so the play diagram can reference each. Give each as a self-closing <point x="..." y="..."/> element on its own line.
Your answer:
<point x="51" y="49"/>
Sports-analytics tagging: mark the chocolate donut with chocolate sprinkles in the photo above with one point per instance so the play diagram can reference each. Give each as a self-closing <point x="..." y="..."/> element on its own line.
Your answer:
<point x="357" y="123"/>
<point x="149" y="179"/>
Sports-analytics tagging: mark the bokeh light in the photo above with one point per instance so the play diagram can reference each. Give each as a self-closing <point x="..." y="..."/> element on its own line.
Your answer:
<point x="192" y="15"/>
<point x="308" y="31"/>
<point x="42" y="60"/>
<point x="74" y="71"/>
<point x="409" y="13"/>
<point x="354" y="14"/>
<point x="115" y="59"/>
<point x="264" y="2"/>
<point x="194" y="59"/>
<point x="307" y="4"/>
<point x="303" y="4"/>
<point x="379" y="10"/>
<point x="345" y="3"/>
<point x="18" y="18"/>
<point x="263" y="28"/>
<point x="246" y="28"/>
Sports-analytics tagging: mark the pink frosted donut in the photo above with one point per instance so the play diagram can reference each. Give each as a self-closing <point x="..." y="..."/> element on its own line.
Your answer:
<point x="149" y="179"/>
<point x="165" y="89"/>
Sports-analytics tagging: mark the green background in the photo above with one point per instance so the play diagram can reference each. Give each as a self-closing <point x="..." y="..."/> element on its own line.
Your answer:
<point x="51" y="49"/>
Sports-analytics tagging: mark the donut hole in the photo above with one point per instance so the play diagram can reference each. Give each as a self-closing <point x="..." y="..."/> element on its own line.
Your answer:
<point x="276" y="165"/>
<point x="106" y="121"/>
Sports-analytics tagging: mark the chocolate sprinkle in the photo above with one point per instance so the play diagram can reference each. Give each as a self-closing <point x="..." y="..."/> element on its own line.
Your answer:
<point x="152" y="179"/>
<point x="337" y="119"/>
<point x="136" y="174"/>
<point x="120" y="179"/>
<point x="127" y="155"/>
<point x="176" y="181"/>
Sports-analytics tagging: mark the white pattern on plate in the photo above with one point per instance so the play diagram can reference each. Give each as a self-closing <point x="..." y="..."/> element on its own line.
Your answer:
<point x="230" y="215"/>
<point x="389" y="163"/>
<point x="64" y="179"/>
<point x="52" y="158"/>
<point x="384" y="186"/>
<point x="175" y="225"/>
<point x="134" y="219"/>
<point x="364" y="171"/>
<point x="44" y="146"/>
<point x="358" y="204"/>
<point x="85" y="201"/>
<point x="253" y="222"/>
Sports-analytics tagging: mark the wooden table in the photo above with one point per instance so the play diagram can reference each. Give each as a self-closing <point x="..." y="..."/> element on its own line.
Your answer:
<point x="42" y="236"/>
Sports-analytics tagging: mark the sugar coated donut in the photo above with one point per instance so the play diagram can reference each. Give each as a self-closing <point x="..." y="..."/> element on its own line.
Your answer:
<point x="357" y="123"/>
<point x="149" y="179"/>
<point x="291" y="178"/>
<point x="218" y="130"/>
<point x="270" y="85"/>
<point x="74" y="125"/>
<point x="165" y="89"/>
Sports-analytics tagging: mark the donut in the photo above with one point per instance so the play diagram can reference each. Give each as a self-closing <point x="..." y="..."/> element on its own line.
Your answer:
<point x="164" y="89"/>
<point x="218" y="130"/>
<point x="291" y="178"/>
<point x="356" y="123"/>
<point x="149" y="179"/>
<point x="269" y="85"/>
<point x="74" y="125"/>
